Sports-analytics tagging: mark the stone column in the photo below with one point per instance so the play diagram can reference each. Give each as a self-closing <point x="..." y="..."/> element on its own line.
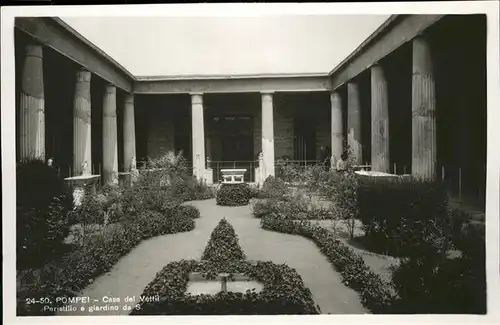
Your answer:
<point x="32" y="105"/>
<point x="380" y="121"/>
<point x="198" y="130"/>
<point x="267" y="134"/>
<point x="337" y="137"/>
<point x="109" y="137"/>
<point x="354" y="122"/>
<point x="129" y="153"/>
<point x="423" y="112"/>
<point x="82" y="140"/>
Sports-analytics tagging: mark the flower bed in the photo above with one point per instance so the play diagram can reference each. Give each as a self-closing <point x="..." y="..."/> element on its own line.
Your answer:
<point x="283" y="292"/>
<point x="375" y="293"/>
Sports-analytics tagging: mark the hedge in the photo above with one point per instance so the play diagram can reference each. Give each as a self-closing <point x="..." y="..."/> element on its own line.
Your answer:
<point x="283" y="290"/>
<point x="374" y="292"/>
<point x="233" y="194"/>
<point x="404" y="217"/>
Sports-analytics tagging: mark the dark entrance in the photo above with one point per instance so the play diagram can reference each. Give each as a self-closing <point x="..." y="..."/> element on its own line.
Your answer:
<point x="231" y="144"/>
<point x="305" y="138"/>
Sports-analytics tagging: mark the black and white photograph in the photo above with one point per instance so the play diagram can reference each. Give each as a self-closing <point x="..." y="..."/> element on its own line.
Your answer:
<point x="251" y="159"/>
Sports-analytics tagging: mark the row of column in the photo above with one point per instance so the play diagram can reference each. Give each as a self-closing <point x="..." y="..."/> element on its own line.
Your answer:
<point x="32" y="120"/>
<point x="424" y="148"/>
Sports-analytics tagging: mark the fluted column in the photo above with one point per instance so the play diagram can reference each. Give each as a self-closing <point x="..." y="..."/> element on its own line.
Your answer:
<point x="267" y="134"/>
<point x="424" y="145"/>
<point x="109" y="137"/>
<point x="198" y="130"/>
<point x="354" y="122"/>
<point x="82" y="140"/>
<point x="129" y="153"/>
<point x="32" y="105"/>
<point x="380" y="121"/>
<point x="337" y="137"/>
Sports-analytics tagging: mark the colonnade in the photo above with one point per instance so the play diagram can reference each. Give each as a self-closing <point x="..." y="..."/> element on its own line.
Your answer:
<point x="32" y="120"/>
<point x="424" y="147"/>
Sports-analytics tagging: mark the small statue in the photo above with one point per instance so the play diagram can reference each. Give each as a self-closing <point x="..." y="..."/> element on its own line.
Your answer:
<point x="208" y="162"/>
<point x="261" y="155"/>
<point x="85" y="167"/>
<point x="50" y="162"/>
<point x="133" y="163"/>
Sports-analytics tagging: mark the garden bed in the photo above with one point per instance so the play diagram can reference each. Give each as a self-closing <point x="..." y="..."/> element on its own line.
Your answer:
<point x="283" y="291"/>
<point x="376" y="293"/>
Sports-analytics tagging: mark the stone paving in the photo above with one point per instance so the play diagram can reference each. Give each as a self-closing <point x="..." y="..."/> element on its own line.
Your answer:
<point x="134" y="271"/>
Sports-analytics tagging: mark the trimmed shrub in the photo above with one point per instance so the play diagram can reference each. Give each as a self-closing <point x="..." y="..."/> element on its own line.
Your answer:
<point x="223" y="246"/>
<point x="233" y="194"/>
<point x="405" y="217"/>
<point x="283" y="293"/>
<point x="188" y="211"/>
<point x="375" y="293"/>
<point x="273" y="187"/>
<point x="43" y="204"/>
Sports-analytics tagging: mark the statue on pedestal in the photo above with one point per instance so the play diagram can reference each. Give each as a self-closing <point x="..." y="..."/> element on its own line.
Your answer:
<point x="208" y="162"/>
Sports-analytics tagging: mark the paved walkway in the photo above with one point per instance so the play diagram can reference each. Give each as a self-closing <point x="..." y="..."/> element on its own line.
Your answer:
<point x="134" y="271"/>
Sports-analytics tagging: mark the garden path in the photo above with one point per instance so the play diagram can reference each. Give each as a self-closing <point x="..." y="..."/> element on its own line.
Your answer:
<point x="134" y="271"/>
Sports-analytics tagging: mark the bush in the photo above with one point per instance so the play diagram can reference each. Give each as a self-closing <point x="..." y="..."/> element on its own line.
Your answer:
<point x="291" y="207"/>
<point x="264" y="207"/>
<point x="440" y="285"/>
<point x="405" y="217"/>
<point x="233" y="194"/>
<point x="188" y="211"/>
<point x="445" y="285"/>
<point x="43" y="204"/>
<point x="375" y="293"/>
<point x="273" y="187"/>
<point x="223" y="246"/>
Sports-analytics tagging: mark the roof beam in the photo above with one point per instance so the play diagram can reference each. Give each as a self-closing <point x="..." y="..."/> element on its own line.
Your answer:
<point x="54" y="33"/>
<point x="239" y="85"/>
<point x="395" y="32"/>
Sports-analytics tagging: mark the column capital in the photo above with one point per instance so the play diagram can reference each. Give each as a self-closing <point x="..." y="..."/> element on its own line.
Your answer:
<point x="83" y="75"/>
<point x="128" y="98"/>
<point x="196" y="98"/>
<point x="34" y="50"/>
<point x="267" y="92"/>
<point x="110" y="89"/>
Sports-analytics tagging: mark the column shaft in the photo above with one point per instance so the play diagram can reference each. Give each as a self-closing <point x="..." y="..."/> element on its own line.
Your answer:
<point x="424" y="145"/>
<point x="198" y="131"/>
<point x="354" y="122"/>
<point x="109" y="137"/>
<point x="129" y="151"/>
<point x="32" y="105"/>
<point x="380" y="121"/>
<point x="337" y="137"/>
<point x="82" y="140"/>
<point x="268" y="134"/>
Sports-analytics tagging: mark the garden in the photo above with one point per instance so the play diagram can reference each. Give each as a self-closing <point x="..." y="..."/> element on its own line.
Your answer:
<point x="437" y="257"/>
<point x="440" y="254"/>
<point x="62" y="248"/>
